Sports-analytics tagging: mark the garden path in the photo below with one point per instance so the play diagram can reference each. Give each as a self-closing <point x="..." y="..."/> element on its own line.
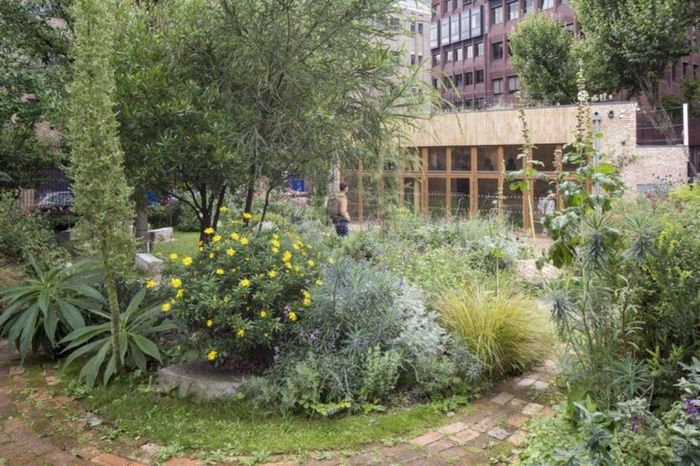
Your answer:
<point x="39" y="428"/>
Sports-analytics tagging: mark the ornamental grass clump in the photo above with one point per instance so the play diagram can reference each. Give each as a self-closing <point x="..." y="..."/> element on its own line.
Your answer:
<point x="506" y="330"/>
<point x="245" y="292"/>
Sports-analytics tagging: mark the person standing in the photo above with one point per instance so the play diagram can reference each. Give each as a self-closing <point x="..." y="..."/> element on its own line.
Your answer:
<point x="337" y="208"/>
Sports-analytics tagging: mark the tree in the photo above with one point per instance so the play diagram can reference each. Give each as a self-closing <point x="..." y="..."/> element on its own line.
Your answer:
<point x="33" y="44"/>
<point x="99" y="185"/>
<point x="543" y="55"/>
<point x="633" y="42"/>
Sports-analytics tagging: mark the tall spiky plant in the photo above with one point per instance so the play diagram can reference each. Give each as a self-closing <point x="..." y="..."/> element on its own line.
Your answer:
<point x="99" y="184"/>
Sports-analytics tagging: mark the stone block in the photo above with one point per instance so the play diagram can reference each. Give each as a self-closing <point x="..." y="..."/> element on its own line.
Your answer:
<point x="453" y="428"/>
<point x="499" y="433"/>
<point x="531" y="409"/>
<point x="201" y="380"/>
<point x="503" y="398"/>
<point x="159" y="235"/>
<point x="426" y="439"/>
<point x="149" y="263"/>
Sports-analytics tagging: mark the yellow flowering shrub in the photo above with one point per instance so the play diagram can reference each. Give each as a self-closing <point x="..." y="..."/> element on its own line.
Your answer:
<point x="245" y="292"/>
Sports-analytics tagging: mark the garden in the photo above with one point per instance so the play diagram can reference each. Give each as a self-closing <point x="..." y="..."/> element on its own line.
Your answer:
<point x="410" y="340"/>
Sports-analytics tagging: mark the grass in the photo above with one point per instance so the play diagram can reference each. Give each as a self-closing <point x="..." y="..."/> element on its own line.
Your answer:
<point x="508" y="331"/>
<point x="235" y="428"/>
<point x="10" y="275"/>
<point x="184" y="244"/>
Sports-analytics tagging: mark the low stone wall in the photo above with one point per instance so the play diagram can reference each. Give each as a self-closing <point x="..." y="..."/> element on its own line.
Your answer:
<point x="655" y="166"/>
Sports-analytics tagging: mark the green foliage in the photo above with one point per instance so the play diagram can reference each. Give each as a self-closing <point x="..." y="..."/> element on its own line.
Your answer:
<point x="507" y="331"/>
<point x="245" y="291"/>
<point x="544" y="58"/>
<point x="25" y="234"/>
<point x="51" y="303"/>
<point x="138" y="324"/>
<point x="366" y="336"/>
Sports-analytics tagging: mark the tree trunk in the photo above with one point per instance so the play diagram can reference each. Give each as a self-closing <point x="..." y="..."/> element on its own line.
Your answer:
<point x="204" y="223"/>
<point x="113" y="301"/>
<point x="141" y="222"/>
<point x="658" y="116"/>
<point x="250" y="193"/>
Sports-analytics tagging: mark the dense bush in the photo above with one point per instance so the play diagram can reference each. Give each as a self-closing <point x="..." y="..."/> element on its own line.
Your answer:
<point x="506" y="330"/>
<point x="366" y="336"/>
<point x="245" y="292"/>
<point x="628" y="434"/>
<point x="25" y="233"/>
<point x="165" y="215"/>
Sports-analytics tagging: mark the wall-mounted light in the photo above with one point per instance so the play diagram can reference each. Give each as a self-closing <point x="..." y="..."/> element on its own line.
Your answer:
<point x="611" y="114"/>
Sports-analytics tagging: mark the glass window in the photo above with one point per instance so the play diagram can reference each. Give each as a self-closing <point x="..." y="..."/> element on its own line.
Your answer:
<point x="497" y="86"/>
<point x="470" y="52"/>
<point x="547" y="4"/>
<point x="475" y="14"/>
<point x="513" y="11"/>
<point x="528" y="6"/>
<point x="487" y="195"/>
<point x="395" y="24"/>
<point x="434" y="35"/>
<point x="497" y="15"/>
<point x="497" y="50"/>
<point x="468" y="78"/>
<point x="513" y="84"/>
<point x="413" y="27"/>
<point x="411" y="193"/>
<point x="420" y="29"/>
<point x="459" y="193"/>
<point x="459" y="54"/>
<point x="437" y="196"/>
<point x="454" y="28"/>
<point x="479" y="49"/>
<point x="437" y="159"/>
<point x="487" y="159"/>
<point x="458" y="81"/>
<point x="464" y="29"/>
<point x="445" y="31"/>
<point x="436" y="59"/>
<point x="413" y="59"/>
<point x="461" y="158"/>
<point x="479" y="75"/>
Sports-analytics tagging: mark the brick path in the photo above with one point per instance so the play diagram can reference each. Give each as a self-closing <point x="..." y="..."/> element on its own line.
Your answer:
<point x="31" y="434"/>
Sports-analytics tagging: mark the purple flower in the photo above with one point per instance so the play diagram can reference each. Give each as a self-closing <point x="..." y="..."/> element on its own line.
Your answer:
<point x="313" y="336"/>
<point x="691" y="408"/>
<point x="635" y="426"/>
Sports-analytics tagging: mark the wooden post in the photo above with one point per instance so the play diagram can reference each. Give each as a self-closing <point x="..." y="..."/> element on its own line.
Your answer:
<point x="527" y="224"/>
<point x="500" y="163"/>
<point x="424" y="181"/>
<point x="448" y="182"/>
<point x="559" y="167"/>
<point x="473" y="186"/>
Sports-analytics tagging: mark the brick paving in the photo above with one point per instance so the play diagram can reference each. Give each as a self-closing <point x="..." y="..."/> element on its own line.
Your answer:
<point x="32" y="435"/>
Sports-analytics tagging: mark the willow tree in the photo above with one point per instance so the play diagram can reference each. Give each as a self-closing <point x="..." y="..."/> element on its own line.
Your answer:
<point x="99" y="185"/>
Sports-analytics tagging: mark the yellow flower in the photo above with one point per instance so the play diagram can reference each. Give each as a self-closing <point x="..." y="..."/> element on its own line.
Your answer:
<point x="173" y="257"/>
<point x="297" y="268"/>
<point x="216" y="238"/>
<point x="209" y="231"/>
<point x="319" y="282"/>
<point x="210" y="323"/>
<point x="287" y="256"/>
<point x="247" y="215"/>
<point x="176" y="283"/>
<point x="244" y="241"/>
<point x="288" y="265"/>
<point x="296" y="245"/>
<point x="272" y="274"/>
<point x="245" y="283"/>
<point x="275" y="243"/>
<point x="230" y="252"/>
<point x="275" y="236"/>
<point x="306" y="293"/>
<point x="187" y="261"/>
<point x="227" y="299"/>
<point x="150" y="284"/>
<point x="219" y="271"/>
<point x="240" y="332"/>
<point x="223" y="209"/>
<point x="307" y="302"/>
<point x="292" y="316"/>
<point x="331" y="260"/>
<point x="201" y="248"/>
<point x="211" y="356"/>
<point x="180" y="293"/>
<point x="211" y="255"/>
<point x="263" y="314"/>
<point x="235" y="236"/>
<point x="310" y="263"/>
<point x="166" y="307"/>
<point x="275" y="250"/>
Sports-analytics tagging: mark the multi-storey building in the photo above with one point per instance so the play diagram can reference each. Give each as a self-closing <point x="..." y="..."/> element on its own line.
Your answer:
<point x="470" y="54"/>
<point x="413" y="42"/>
<point x="469" y="47"/>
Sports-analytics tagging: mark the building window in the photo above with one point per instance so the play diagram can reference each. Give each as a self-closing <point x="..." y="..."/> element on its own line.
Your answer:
<point x="458" y="81"/>
<point x="455" y="4"/>
<point x="420" y="59"/>
<point x="459" y="54"/>
<point x="464" y="32"/>
<point x="513" y="84"/>
<point x="413" y="27"/>
<point x="673" y="72"/>
<point x="497" y="86"/>
<point x="695" y="71"/>
<point x="546" y="4"/>
<point x="420" y="29"/>
<point x="513" y="11"/>
<point x="509" y="49"/>
<point x="479" y="76"/>
<point x="475" y="14"/>
<point x="479" y="102"/>
<point x="445" y="31"/>
<point x="479" y="49"/>
<point x="685" y="70"/>
<point x="497" y="14"/>
<point x="434" y="39"/>
<point x="528" y="6"/>
<point x="413" y="59"/>
<point x="447" y="57"/>
<point x="394" y="24"/>
<point x="445" y="6"/>
<point x="454" y="28"/>
<point x="468" y="78"/>
<point x="436" y="59"/>
<point x="435" y="83"/>
<point x="497" y="50"/>
<point x="470" y="52"/>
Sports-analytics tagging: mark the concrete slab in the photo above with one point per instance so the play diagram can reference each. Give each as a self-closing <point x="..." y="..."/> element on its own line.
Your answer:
<point x="149" y="263"/>
<point x="201" y="380"/>
<point x="158" y="235"/>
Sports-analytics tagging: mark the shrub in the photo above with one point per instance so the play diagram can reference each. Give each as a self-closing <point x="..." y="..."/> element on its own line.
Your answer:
<point x="47" y="306"/>
<point x="243" y="293"/>
<point x="505" y="330"/>
<point x="165" y="215"/>
<point x="25" y="233"/>
<point x="139" y="321"/>
<point x="366" y="335"/>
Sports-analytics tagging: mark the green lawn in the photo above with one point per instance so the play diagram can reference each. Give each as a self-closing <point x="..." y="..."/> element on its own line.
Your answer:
<point x="184" y="244"/>
<point x="235" y="428"/>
